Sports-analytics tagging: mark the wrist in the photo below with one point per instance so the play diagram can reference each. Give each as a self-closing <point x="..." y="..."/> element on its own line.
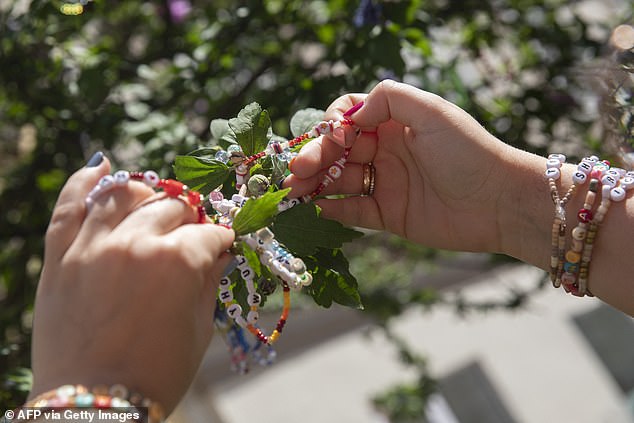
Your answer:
<point x="525" y="210"/>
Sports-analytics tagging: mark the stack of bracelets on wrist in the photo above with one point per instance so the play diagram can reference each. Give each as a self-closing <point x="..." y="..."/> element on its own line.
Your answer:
<point x="570" y="268"/>
<point x="115" y="403"/>
<point x="286" y="270"/>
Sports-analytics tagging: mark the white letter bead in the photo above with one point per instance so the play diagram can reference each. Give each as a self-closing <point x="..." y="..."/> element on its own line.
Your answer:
<point x="106" y="182"/>
<point x="253" y="317"/>
<point x="617" y="194"/>
<point x="247" y="273"/>
<point x="265" y="234"/>
<point x="559" y="157"/>
<point x="150" y="178"/>
<point x="121" y="177"/>
<point x="630" y="174"/>
<point x="579" y="178"/>
<point x="225" y="296"/>
<point x="593" y="159"/>
<point x="609" y="180"/>
<point x="614" y="172"/>
<point x="225" y="282"/>
<point x="550" y="163"/>
<point x="627" y="182"/>
<point x="552" y="173"/>
<point x="585" y="167"/>
<point x="234" y="310"/>
<point x="254" y="299"/>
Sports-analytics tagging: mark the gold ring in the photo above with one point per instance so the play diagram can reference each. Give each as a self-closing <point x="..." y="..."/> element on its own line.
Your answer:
<point x="369" y="175"/>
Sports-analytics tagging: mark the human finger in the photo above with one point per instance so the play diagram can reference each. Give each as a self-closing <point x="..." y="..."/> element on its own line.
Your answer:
<point x="159" y="214"/>
<point x="353" y="211"/>
<point x="391" y="100"/>
<point x="349" y="183"/>
<point x="70" y="210"/>
<point x="210" y="242"/>
<point x="110" y="208"/>
<point x="345" y="107"/>
<point x="321" y="153"/>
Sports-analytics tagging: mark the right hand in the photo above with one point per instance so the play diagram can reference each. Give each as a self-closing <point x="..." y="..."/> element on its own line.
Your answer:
<point x="439" y="174"/>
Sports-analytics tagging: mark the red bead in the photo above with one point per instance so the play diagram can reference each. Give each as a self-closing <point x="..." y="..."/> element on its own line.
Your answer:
<point x="193" y="197"/>
<point x="584" y="215"/>
<point x="102" y="401"/>
<point x="137" y="176"/>
<point x="171" y="187"/>
<point x="202" y="216"/>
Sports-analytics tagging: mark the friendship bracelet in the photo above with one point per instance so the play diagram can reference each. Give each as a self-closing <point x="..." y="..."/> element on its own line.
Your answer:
<point x="171" y="187"/>
<point x="100" y="397"/>
<point x="571" y="269"/>
<point x="289" y="271"/>
<point x="558" y="235"/>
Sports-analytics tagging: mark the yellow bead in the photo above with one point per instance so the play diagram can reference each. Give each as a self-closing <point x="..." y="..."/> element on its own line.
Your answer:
<point x="573" y="257"/>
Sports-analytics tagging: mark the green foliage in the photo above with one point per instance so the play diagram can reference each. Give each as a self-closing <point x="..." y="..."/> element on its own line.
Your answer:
<point x="252" y="128"/>
<point x="258" y="212"/>
<point x="333" y="281"/>
<point x="200" y="173"/>
<point x="302" y="230"/>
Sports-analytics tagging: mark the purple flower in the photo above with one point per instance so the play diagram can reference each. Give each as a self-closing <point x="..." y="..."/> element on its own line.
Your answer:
<point x="179" y="9"/>
<point x="367" y="13"/>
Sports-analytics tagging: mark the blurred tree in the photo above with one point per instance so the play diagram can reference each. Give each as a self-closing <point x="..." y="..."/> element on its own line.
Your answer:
<point x="143" y="79"/>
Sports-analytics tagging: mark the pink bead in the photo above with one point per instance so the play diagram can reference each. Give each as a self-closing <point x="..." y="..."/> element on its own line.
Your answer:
<point x="596" y="174"/>
<point x="568" y="278"/>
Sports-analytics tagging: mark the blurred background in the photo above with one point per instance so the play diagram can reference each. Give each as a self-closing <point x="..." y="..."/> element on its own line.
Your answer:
<point x="444" y="337"/>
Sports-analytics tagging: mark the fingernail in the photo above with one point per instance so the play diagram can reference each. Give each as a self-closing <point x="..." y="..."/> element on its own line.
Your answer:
<point x="230" y="267"/>
<point x="353" y="109"/>
<point x="95" y="160"/>
<point x="290" y="164"/>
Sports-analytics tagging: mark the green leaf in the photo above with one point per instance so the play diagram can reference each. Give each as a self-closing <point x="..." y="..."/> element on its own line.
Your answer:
<point x="252" y="128"/>
<point x="258" y="212"/>
<point x="201" y="174"/>
<point x="252" y="259"/>
<point x="304" y="120"/>
<point x="303" y="231"/>
<point x="332" y="280"/>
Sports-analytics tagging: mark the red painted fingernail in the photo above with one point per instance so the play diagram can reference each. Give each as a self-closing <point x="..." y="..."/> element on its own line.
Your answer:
<point x="353" y="109"/>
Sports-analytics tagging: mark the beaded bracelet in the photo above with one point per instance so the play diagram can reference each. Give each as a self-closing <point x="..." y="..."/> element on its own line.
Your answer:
<point x="553" y="173"/>
<point x="290" y="271"/>
<point x="171" y="187"/>
<point x="100" y="397"/>
<point x="571" y="270"/>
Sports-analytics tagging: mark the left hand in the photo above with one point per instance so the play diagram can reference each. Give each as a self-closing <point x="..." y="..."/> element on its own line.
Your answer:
<point x="127" y="292"/>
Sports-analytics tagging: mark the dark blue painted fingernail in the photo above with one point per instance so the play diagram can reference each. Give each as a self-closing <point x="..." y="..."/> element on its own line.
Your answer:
<point x="230" y="267"/>
<point x="95" y="160"/>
